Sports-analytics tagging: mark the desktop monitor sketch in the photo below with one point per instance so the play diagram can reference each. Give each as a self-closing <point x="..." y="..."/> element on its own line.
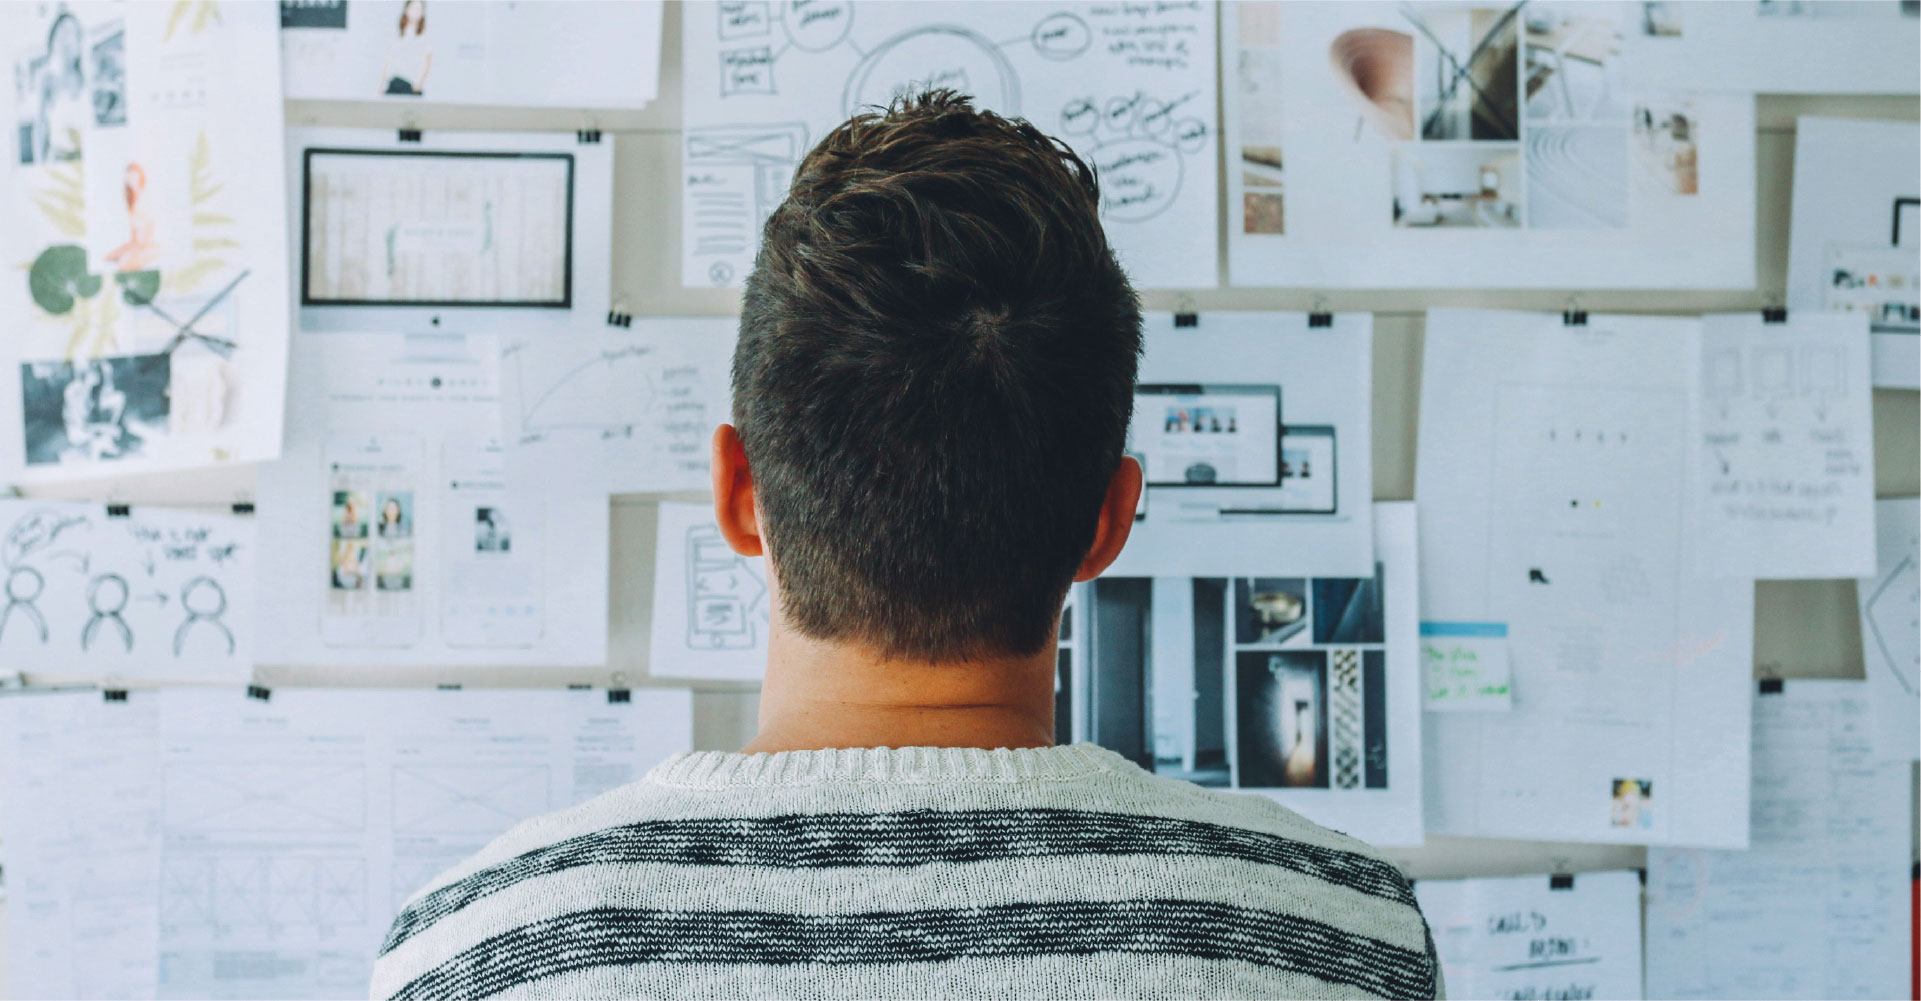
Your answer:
<point x="385" y="227"/>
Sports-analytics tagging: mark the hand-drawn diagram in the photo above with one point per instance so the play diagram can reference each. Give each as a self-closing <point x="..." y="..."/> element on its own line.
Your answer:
<point x="1129" y="86"/>
<point x="726" y="609"/>
<point x="481" y="800"/>
<point x="265" y="797"/>
<point x="635" y="407"/>
<point x="257" y="890"/>
<point x="106" y="590"/>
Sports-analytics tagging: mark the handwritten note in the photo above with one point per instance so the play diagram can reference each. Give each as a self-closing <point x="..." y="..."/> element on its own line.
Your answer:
<point x="1464" y="667"/>
<point x="1785" y="470"/>
<point x="90" y="592"/>
<point x="1528" y="937"/>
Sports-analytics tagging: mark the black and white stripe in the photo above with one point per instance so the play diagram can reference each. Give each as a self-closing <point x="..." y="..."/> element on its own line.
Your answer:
<point x="907" y="838"/>
<point x="609" y="936"/>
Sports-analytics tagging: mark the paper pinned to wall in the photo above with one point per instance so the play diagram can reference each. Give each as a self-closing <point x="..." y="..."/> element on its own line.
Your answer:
<point x="1854" y="239"/>
<point x="1464" y="667"/>
<point x="1554" y="491"/>
<point x="1778" y="46"/>
<point x="571" y="55"/>
<point x="1890" y="602"/>
<point x="1818" y="905"/>
<point x="153" y="593"/>
<point x="631" y="410"/>
<point x="1785" y="481"/>
<point x="1303" y="689"/>
<point x="1498" y="145"/>
<point x="1131" y="87"/>
<point x="80" y="777"/>
<point x="399" y="536"/>
<point x="1571" y="936"/>
<point x="1254" y="431"/>
<point x="711" y="605"/>
<point x="142" y="235"/>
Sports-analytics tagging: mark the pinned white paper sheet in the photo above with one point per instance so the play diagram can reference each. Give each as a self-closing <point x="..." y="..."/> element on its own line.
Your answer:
<point x="711" y="605"/>
<point x="1784" y="479"/>
<point x="1571" y="936"/>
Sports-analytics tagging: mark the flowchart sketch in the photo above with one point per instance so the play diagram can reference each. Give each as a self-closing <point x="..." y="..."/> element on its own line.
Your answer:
<point x="631" y="410"/>
<point x="1784" y="480"/>
<point x="711" y="605"/>
<point x="1130" y="87"/>
<point x="95" y="591"/>
<point x="145" y="304"/>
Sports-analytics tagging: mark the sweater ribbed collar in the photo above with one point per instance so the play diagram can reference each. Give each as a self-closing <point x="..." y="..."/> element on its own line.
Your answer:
<point x="888" y="765"/>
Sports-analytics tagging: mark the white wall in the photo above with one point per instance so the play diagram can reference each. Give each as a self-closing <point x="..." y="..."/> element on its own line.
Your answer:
<point x="1802" y="628"/>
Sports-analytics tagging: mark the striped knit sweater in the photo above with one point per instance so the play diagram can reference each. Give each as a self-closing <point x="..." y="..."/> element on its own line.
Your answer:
<point x="914" y="872"/>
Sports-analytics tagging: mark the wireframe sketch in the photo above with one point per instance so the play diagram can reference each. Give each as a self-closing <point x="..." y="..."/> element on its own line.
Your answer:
<point x="265" y="889"/>
<point x="1129" y="87"/>
<point x="476" y="800"/>
<point x="263" y="797"/>
<point x="726" y="595"/>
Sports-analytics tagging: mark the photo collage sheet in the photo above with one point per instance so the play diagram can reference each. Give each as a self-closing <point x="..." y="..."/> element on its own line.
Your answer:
<point x="141" y="228"/>
<point x="1504" y="145"/>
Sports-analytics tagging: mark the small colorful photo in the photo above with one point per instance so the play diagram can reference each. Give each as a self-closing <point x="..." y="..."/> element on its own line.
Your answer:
<point x="394" y="568"/>
<point x="1268" y="610"/>
<point x="1632" y="805"/>
<point x="396" y="514"/>
<point x="490" y="531"/>
<point x="350" y="513"/>
<point x="1282" y="718"/>
<point x="349" y="565"/>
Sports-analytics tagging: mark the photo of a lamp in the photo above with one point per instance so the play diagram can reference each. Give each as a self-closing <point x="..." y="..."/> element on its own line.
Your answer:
<point x="1375" y="67"/>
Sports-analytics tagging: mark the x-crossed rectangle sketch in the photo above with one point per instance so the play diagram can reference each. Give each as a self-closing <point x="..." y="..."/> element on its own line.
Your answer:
<point x="468" y="799"/>
<point x="309" y="798"/>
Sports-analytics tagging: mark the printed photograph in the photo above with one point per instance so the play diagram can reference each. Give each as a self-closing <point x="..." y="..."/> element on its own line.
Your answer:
<point x="1348" y="610"/>
<point x="107" y="74"/>
<point x="1374" y="67"/>
<point x="1577" y="177"/>
<point x="394" y="565"/>
<point x="99" y="410"/>
<point x="1282" y="716"/>
<point x="1268" y="611"/>
<point x="1201" y="420"/>
<point x="51" y="95"/>
<point x="410" y="56"/>
<point x="1632" y="805"/>
<point x="1573" y="66"/>
<point x="1465" y="72"/>
<point x="349" y="564"/>
<point x="1665" y="153"/>
<point x="490" y="531"/>
<point x="1459" y="185"/>
<point x="1158" y="698"/>
<point x="396" y="514"/>
<point x="1663" y="18"/>
<point x="350" y="511"/>
<point x="1262" y="118"/>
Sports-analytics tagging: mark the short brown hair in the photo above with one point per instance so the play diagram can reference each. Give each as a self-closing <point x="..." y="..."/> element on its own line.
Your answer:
<point x="934" y="379"/>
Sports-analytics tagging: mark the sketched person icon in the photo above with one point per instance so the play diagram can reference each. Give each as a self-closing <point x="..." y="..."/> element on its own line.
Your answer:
<point x="107" y="596"/>
<point x="205" y="601"/>
<point x="24" y="586"/>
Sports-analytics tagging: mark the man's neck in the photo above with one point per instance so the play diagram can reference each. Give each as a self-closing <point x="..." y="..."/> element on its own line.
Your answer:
<point x="822" y="695"/>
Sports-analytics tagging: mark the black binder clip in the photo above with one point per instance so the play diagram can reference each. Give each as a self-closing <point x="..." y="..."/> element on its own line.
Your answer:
<point x="579" y="688"/>
<point x="1770" y="686"/>
<point x="616" y="318"/>
<point x="1774" y="314"/>
<point x="454" y="687"/>
<point x="1561" y="881"/>
<point x="410" y="135"/>
<point x="260" y="692"/>
<point x="1187" y="319"/>
<point x="113" y="695"/>
<point x="587" y="137"/>
<point x="618" y="695"/>
<point x="1320" y="319"/>
<point x="243" y="507"/>
<point x="119" y="510"/>
<point x="1574" y="317"/>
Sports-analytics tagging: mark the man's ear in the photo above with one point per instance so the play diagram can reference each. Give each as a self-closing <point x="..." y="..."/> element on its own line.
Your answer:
<point x="734" y="494"/>
<point x="1116" y="522"/>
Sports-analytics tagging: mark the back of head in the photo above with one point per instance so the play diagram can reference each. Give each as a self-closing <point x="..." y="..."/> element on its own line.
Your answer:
<point x="933" y="381"/>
